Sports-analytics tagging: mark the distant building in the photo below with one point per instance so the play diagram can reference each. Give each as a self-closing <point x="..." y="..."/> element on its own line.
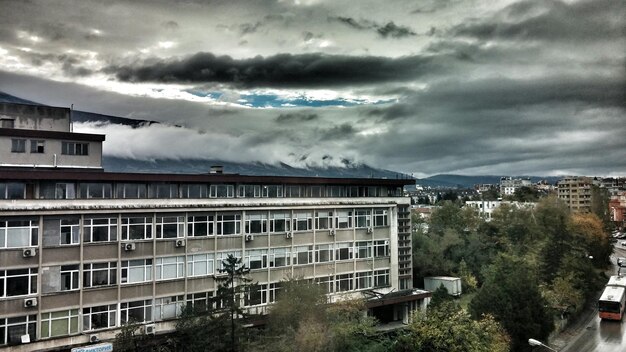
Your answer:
<point x="509" y="185"/>
<point x="486" y="208"/>
<point x="617" y="209"/>
<point x="576" y="192"/>
<point x="84" y="251"/>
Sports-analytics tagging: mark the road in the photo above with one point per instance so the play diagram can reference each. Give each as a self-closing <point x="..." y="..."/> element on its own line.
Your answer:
<point x="598" y="335"/>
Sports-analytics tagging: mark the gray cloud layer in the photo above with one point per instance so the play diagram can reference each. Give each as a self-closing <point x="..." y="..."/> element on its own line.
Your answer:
<point x="496" y="87"/>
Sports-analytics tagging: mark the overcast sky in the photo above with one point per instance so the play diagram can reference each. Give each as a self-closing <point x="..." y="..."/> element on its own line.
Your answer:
<point x="474" y="87"/>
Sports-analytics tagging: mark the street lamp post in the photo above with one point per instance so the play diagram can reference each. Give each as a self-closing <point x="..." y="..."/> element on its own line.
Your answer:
<point x="534" y="342"/>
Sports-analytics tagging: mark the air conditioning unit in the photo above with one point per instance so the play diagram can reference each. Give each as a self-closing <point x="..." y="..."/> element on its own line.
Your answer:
<point x="149" y="329"/>
<point x="332" y="232"/>
<point x="25" y="338"/>
<point x="30" y="302"/>
<point x="93" y="338"/>
<point x="370" y="230"/>
<point x="289" y="234"/>
<point x="180" y="243"/>
<point x="29" y="252"/>
<point x="220" y="274"/>
<point x="130" y="246"/>
<point x="249" y="238"/>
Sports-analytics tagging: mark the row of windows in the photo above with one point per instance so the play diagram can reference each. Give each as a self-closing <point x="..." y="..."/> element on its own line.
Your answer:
<point x="67" y="231"/>
<point x="87" y="190"/>
<point x="66" y="322"/>
<point x="24" y="281"/>
<point x="37" y="146"/>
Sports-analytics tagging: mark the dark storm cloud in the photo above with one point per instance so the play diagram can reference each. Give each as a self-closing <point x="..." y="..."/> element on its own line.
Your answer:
<point x="390" y="29"/>
<point x="395" y="31"/>
<point x="341" y="132"/>
<point x="296" y="117"/>
<point x="170" y="25"/>
<point x="282" y="70"/>
<point x="551" y="20"/>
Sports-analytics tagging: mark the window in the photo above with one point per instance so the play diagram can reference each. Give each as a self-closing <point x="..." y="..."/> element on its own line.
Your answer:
<point x="170" y="227"/>
<point x="134" y="271"/>
<point x="381" y="278"/>
<point x="302" y="221"/>
<point x="228" y="224"/>
<point x="362" y="218"/>
<point x="256" y="258"/>
<point x="293" y="191"/>
<point x="194" y="191"/>
<point x="200" y="301"/>
<point x="168" y="307"/>
<point x="136" y="312"/>
<point x="137" y="228"/>
<point x="344" y="251"/>
<point x="132" y="190"/>
<point x="249" y="191"/>
<point x="273" y="291"/>
<point x="12" y="190"/>
<point x="344" y="219"/>
<point x="201" y="225"/>
<point x="100" y="230"/>
<point x="170" y="268"/>
<point x="323" y="253"/>
<point x="65" y="191"/>
<point x="381" y="248"/>
<point x="303" y="255"/>
<point x="74" y="148"/>
<point x="70" y="231"/>
<point x="256" y="223"/>
<point x="344" y="283"/>
<point x="364" y="280"/>
<point x="18" y="145"/>
<point x="99" y="274"/>
<point x="100" y="317"/>
<point x="380" y="217"/>
<point x="165" y="190"/>
<point x="18" y="282"/>
<point x="95" y="190"/>
<point x="36" y="146"/>
<point x="60" y="323"/>
<point x="280" y="257"/>
<point x="200" y="264"/>
<point x="315" y="191"/>
<point x="323" y="220"/>
<point x="18" y="233"/>
<point x="352" y="191"/>
<point x="7" y="123"/>
<point x="279" y="221"/>
<point x="222" y="191"/>
<point x="221" y="256"/>
<point x="272" y="191"/>
<point x="12" y="329"/>
<point x="364" y="249"/>
<point x="256" y="295"/>
<point x="70" y="277"/>
<point x="335" y="191"/>
<point x="326" y="282"/>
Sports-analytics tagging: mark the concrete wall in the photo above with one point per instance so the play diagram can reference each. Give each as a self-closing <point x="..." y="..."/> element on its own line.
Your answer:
<point x="52" y="147"/>
<point x="34" y="117"/>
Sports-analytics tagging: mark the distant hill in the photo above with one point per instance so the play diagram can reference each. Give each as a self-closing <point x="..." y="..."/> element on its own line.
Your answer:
<point x="196" y="166"/>
<point x="460" y="181"/>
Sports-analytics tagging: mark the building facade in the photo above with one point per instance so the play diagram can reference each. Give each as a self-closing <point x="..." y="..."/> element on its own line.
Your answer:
<point x="509" y="185"/>
<point x="83" y="251"/>
<point x="576" y="192"/>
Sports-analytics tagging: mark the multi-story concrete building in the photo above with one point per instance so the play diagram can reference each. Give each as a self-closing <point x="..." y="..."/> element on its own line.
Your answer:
<point x="576" y="191"/>
<point x="485" y="208"/>
<point x="83" y="251"/>
<point x="509" y="185"/>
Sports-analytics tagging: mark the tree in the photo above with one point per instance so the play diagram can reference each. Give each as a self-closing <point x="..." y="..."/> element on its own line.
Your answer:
<point x="511" y="294"/>
<point x="525" y="194"/>
<point x="448" y="328"/>
<point x="600" y="206"/>
<point x="231" y="291"/>
<point x="591" y="237"/>
<point x="552" y="217"/>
